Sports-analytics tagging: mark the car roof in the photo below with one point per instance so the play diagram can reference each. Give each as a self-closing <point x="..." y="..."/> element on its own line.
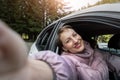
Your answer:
<point x="94" y="20"/>
<point x="114" y="7"/>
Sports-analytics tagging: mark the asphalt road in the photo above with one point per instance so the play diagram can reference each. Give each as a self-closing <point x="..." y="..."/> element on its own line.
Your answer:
<point x="29" y="44"/>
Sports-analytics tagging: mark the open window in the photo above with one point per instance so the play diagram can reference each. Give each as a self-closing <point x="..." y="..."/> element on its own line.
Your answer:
<point x="44" y="38"/>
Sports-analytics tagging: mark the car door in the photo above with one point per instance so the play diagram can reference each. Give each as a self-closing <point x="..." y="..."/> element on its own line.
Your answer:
<point x="44" y="39"/>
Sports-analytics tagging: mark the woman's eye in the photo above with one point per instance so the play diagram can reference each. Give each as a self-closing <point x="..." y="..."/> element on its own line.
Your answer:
<point x="67" y="41"/>
<point x="74" y="34"/>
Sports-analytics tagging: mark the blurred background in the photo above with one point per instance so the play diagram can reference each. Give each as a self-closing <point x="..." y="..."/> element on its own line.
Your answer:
<point x="29" y="17"/>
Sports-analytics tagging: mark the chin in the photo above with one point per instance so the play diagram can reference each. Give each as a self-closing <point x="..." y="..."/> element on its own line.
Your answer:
<point x="81" y="48"/>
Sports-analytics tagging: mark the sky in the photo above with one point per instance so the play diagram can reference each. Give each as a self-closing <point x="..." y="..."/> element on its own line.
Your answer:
<point x="77" y="4"/>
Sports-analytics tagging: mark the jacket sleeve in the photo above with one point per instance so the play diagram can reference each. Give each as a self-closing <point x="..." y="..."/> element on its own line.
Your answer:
<point x="57" y="63"/>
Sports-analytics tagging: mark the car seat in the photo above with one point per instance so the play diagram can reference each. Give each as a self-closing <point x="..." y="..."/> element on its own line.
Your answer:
<point x="114" y="44"/>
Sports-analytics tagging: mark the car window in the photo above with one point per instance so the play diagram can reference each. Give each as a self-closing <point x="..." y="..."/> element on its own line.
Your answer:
<point x="44" y="38"/>
<point x="103" y="41"/>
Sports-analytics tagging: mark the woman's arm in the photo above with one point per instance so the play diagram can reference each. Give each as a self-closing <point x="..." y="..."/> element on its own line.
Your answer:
<point x="57" y="63"/>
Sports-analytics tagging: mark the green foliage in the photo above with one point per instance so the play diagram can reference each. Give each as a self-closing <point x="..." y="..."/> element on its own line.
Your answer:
<point x="104" y="38"/>
<point x="107" y="1"/>
<point x="29" y="17"/>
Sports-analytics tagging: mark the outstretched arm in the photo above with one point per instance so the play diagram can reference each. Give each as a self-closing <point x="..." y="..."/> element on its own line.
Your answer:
<point x="13" y="51"/>
<point x="14" y="63"/>
<point x="60" y="67"/>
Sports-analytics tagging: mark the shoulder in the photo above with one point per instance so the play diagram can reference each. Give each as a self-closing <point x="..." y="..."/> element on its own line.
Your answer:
<point x="43" y="54"/>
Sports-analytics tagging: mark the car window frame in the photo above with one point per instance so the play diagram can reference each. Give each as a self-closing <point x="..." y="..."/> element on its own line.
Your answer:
<point x="90" y="19"/>
<point x="43" y="34"/>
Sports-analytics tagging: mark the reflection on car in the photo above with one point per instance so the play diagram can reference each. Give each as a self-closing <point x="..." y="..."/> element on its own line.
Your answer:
<point x="90" y="23"/>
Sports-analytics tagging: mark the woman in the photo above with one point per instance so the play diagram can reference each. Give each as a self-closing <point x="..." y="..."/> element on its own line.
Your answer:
<point x="78" y="60"/>
<point x="85" y="62"/>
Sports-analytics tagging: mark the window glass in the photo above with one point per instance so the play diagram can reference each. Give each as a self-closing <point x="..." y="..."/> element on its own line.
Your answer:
<point x="44" y="38"/>
<point x="102" y="42"/>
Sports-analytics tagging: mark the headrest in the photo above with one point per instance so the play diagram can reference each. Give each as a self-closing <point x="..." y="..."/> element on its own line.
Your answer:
<point x="114" y="42"/>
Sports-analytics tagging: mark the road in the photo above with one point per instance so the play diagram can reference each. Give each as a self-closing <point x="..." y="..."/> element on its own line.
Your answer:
<point x="29" y="44"/>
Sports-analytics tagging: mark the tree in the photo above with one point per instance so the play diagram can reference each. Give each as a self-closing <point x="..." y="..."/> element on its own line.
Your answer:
<point x="46" y="10"/>
<point x="30" y="16"/>
<point x="104" y="38"/>
<point x="107" y="1"/>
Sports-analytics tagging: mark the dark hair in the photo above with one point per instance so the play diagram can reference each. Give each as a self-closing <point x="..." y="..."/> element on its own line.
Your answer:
<point x="59" y="43"/>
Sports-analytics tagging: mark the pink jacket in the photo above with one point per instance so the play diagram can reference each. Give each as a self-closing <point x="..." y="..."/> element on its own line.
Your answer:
<point x="60" y="68"/>
<point x="88" y="66"/>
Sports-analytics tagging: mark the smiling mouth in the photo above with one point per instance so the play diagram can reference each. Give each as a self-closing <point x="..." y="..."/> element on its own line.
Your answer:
<point x="77" y="45"/>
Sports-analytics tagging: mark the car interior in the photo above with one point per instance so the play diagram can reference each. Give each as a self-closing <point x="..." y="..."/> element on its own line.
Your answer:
<point x="90" y="31"/>
<point x="114" y="44"/>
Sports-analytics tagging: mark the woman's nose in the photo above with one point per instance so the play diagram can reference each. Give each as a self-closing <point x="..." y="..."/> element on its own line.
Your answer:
<point x="74" y="40"/>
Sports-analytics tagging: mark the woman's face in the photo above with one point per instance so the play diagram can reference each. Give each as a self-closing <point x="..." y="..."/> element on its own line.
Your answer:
<point x="72" y="42"/>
